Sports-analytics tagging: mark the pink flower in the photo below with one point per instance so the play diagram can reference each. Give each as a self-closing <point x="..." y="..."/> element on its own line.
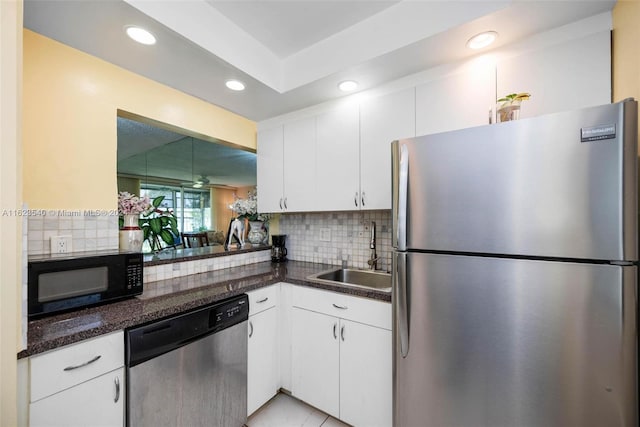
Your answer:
<point x="131" y="204"/>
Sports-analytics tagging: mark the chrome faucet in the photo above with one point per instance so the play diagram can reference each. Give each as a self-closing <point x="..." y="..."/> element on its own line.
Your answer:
<point x="373" y="258"/>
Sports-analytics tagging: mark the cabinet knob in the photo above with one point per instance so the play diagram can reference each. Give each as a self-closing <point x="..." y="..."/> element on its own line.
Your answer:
<point x="342" y="332"/>
<point x="250" y="328"/>
<point x="362" y="199"/>
<point x="355" y="199"/>
<point x="335" y="334"/>
<point x="285" y="203"/>
<point x="280" y="203"/>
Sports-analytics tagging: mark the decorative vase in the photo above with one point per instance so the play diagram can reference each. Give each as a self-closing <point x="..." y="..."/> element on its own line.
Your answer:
<point x="131" y="235"/>
<point x="508" y="110"/>
<point x="257" y="233"/>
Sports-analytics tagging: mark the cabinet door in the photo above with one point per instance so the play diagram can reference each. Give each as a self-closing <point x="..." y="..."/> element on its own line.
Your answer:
<point x="382" y="120"/>
<point x="262" y="361"/>
<point x="97" y="402"/>
<point x="315" y="360"/>
<point x="300" y="165"/>
<point x="270" y="162"/>
<point x="365" y="375"/>
<point x="560" y="78"/>
<point x="337" y="159"/>
<point x="456" y="101"/>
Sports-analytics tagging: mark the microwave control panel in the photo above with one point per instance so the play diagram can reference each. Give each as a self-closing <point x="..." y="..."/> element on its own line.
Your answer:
<point x="134" y="272"/>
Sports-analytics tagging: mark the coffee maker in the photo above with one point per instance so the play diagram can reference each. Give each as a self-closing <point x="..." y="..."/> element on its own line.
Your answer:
<point x="278" y="251"/>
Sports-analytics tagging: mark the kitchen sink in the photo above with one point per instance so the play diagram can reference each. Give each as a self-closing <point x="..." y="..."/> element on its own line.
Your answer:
<point x="361" y="278"/>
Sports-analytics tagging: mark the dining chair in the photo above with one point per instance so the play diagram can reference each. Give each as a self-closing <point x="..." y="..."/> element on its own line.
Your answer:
<point x="194" y="240"/>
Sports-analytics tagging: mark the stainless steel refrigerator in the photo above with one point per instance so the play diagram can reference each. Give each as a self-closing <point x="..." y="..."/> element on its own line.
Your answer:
<point x="515" y="272"/>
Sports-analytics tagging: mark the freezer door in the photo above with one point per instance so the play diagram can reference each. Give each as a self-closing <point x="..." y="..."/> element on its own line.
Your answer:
<point x="490" y="342"/>
<point x="544" y="186"/>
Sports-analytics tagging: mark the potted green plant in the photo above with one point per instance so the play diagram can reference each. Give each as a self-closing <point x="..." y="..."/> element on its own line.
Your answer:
<point x="159" y="225"/>
<point x="508" y="107"/>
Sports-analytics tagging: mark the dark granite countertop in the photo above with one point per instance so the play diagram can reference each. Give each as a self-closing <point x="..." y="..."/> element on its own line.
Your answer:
<point x="168" y="297"/>
<point x="192" y="254"/>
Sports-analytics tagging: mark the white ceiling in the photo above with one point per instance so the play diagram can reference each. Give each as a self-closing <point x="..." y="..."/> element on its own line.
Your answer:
<point x="291" y="54"/>
<point x="287" y="27"/>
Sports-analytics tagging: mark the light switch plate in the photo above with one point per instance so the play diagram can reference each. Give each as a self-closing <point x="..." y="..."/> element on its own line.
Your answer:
<point x="325" y="234"/>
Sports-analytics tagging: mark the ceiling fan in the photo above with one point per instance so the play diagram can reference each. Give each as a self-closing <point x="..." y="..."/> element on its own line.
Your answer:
<point x="200" y="182"/>
<point x="197" y="183"/>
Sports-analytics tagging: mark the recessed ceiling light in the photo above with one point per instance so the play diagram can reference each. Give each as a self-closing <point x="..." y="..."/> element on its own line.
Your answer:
<point x="482" y="40"/>
<point x="348" y="86"/>
<point x="235" y="85"/>
<point x="140" y="35"/>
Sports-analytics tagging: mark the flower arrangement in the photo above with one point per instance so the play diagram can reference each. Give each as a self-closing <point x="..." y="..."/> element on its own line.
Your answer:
<point x="248" y="208"/>
<point x="130" y="204"/>
<point x="157" y="225"/>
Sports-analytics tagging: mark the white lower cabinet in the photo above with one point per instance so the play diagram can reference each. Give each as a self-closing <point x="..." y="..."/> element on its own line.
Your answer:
<point x="97" y="402"/>
<point x="263" y="356"/>
<point x="365" y="374"/>
<point x="79" y="385"/>
<point x="342" y="365"/>
<point x="316" y="360"/>
<point x="263" y="381"/>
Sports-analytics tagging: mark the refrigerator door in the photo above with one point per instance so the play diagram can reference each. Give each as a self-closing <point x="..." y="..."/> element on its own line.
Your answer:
<point x="562" y="185"/>
<point x="507" y="342"/>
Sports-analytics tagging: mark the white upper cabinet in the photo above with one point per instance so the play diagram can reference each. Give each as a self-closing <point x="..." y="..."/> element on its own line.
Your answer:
<point x="382" y="120"/>
<point x="270" y="170"/>
<point x="568" y="76"/>
<point x="286" y="169"/>
<point x="337" y="159"/>
<point x="456" y="101"/>
<point x="341" y="160"/>
<point x="300" y="165"/>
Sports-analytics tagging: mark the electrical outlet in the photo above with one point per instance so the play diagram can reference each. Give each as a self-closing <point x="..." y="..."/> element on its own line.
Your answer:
<point x="325" y="234"/>
<point x="60" y="244"/>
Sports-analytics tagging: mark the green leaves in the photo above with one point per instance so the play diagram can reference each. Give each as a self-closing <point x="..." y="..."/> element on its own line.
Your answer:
<point x="522" y="96"/>
<point x="157" y="201"/>
<point x="159" y="225"/>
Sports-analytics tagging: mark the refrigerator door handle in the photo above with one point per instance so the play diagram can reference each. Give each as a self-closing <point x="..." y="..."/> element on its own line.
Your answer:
<point x="400" y="188"/>
<point x="402" y="301"/>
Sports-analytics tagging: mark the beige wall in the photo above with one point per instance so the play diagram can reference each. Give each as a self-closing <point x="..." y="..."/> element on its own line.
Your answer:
<point x="10" y="199"/>
<point x="626" y="46"/>
<point x="221" y="198"/>
<point x="70" y="105"/>
<point x="130" y="185"/>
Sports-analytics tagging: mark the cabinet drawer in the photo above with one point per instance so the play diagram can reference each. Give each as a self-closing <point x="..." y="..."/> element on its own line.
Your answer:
<point x="263" y="298"/>
<point x="82" y="361"/>
<point x="363" y="310"/>
<point x="97" y="402"/>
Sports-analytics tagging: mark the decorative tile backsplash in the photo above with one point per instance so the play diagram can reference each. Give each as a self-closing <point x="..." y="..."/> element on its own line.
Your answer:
<point x="338" y="238"/>
<point x="186" y="268"/>
<point x="89" y="231"/>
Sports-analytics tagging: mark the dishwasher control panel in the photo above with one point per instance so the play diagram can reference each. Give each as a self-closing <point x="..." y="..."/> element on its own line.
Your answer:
<point x="161" y="336"/>
<point x="230" y="313"/>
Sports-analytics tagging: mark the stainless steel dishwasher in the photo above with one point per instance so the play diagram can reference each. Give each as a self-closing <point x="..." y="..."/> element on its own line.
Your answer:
<point x="190" y="369"/>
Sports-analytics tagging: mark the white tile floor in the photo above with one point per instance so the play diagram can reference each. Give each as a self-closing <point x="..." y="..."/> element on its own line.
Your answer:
<point x="286" y="411"/>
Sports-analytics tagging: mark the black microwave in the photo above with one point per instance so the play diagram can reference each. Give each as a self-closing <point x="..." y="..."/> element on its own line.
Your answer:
<point x="64" y="282"/>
